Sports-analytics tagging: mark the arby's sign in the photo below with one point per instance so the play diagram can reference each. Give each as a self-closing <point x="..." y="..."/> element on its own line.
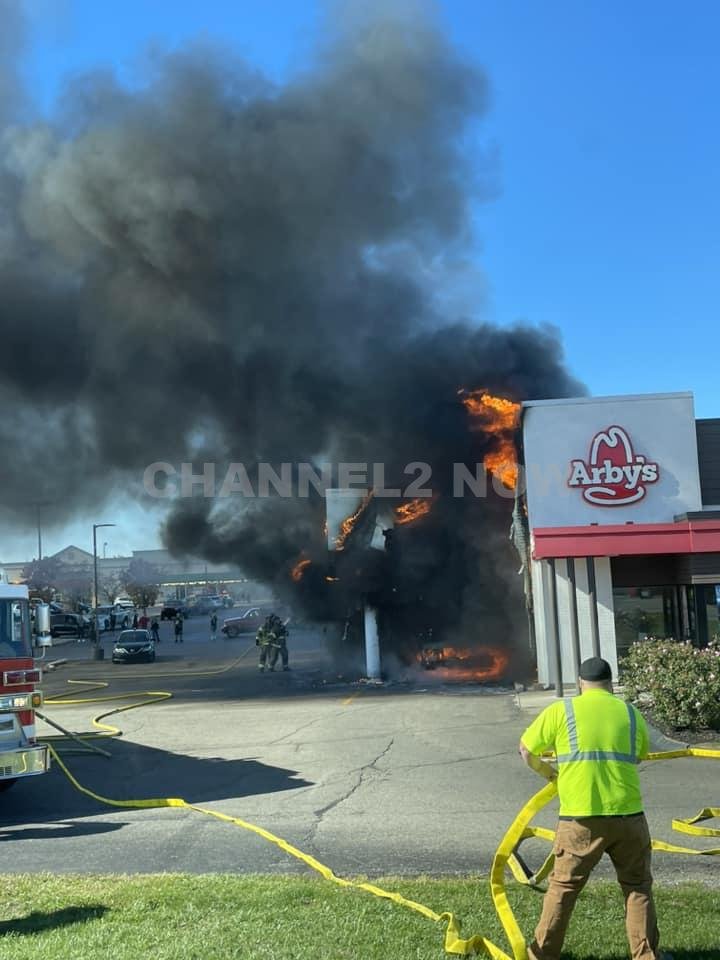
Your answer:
<point x="586" y="458"/>
<point x="614" y="474"/>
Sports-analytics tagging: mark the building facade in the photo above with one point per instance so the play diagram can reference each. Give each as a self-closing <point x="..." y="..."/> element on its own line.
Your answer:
<point x="178" y="577"/>
<point x="622" y="498"/>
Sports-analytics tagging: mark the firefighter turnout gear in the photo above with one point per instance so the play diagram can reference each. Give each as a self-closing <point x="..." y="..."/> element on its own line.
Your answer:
<point x="272" y="640"/>
<point x="598" y="741"/>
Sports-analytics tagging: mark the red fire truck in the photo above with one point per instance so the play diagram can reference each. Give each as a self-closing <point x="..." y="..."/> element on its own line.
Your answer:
<point x="20" y="753"/>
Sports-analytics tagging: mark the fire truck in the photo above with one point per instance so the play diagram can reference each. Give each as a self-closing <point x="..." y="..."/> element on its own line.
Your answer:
<point x="20" y="753"/>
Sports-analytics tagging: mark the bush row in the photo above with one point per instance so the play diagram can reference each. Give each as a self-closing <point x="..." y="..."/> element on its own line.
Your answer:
<point x="680" y="683"/>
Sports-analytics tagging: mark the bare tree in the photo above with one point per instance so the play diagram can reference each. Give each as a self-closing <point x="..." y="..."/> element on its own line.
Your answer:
<point x="110" y="586"/>
<point x="42" y="578"/>
<point x="141" y="581"/>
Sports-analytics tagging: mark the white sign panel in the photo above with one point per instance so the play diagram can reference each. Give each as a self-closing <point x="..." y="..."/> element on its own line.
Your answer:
<point x="610" y="460"/>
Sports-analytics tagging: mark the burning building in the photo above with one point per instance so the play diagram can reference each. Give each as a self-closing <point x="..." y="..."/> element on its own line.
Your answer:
<point x="235" y="271"/>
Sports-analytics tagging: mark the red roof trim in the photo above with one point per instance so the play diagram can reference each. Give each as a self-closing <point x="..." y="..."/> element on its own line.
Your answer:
<point x="625" y="540"/>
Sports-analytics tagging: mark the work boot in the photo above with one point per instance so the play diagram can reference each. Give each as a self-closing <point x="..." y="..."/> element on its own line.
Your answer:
<point x="285" y="669"/>
<point x="261" y="669"/>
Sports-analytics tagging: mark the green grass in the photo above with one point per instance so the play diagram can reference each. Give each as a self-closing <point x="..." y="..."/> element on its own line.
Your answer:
<point x="169" y="917"/>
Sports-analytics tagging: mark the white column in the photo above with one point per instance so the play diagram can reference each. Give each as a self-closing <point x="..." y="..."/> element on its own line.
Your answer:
<point x="544" y="623"/>
<point x="372" y="644"/>
<point x="564" y="588"/>
<point x="606" y="613"/>
<point x="542" y="615"/>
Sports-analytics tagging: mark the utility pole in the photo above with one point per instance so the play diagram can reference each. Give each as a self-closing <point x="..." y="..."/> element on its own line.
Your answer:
<point x="96" y="527"/>
<point x="39" y="504"/>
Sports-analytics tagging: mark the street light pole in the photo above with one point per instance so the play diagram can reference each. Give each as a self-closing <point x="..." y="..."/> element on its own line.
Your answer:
<point x="96" y="527"/>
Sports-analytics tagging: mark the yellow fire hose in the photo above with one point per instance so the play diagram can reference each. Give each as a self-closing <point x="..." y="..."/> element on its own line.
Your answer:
<point x="506" y="855"/>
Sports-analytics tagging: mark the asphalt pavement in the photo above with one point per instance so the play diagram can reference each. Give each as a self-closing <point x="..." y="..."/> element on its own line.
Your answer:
<point x="414" y="777"/>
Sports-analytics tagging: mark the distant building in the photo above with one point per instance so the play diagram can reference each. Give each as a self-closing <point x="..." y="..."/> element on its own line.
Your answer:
<point x="178" y="577"/>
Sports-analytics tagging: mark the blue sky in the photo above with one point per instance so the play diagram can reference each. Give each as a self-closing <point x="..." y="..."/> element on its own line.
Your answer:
<point x="604" y="121"/>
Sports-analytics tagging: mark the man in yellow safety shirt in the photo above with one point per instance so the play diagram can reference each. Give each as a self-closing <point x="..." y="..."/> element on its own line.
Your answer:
<point x="598" y="741"/>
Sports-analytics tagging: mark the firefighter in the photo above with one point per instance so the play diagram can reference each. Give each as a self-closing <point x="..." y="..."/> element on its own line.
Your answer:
<point x="213" y="627"/>
<point x="272" y="640"/>
<point x="598" y="741"/>
<point x="178" y="628"/>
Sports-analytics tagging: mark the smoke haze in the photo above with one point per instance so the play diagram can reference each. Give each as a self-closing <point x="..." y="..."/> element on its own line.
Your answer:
<point x="209" y="266"/>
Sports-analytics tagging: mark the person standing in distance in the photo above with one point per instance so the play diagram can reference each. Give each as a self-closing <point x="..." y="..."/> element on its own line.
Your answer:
<point x="213" y="627"/>
<point x="179" y="628"/>
<point x="598" y="741"/>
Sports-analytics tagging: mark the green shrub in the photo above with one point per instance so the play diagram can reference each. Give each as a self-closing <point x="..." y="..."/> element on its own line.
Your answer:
<point x="678" y="682"/>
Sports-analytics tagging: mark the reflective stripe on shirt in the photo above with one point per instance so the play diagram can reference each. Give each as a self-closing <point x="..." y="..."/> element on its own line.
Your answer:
<point x="576" y="755"/>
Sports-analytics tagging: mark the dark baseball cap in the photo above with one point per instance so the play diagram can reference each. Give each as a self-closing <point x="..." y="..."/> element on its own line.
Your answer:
<point x="595" y="669"/>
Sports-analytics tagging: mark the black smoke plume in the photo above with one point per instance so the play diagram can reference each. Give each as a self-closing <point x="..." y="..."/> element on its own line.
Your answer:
<point x="208" y="266"/>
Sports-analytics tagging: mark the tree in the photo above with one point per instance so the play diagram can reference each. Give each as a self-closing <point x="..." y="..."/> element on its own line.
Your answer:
<point x="76" y="584"/>
<point x="51" y="579"/>
<point x="141" y="582"/>
<point x="110" y="586"/>
<point x="43" y="578"/>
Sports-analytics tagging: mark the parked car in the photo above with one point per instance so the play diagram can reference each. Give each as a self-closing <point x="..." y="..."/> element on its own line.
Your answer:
<point x="123" y="617"/>
<point x="216" y="601"/>
<point x="68" y="625"/>
<point x="249" y="622"/>
<point x="201" y="606"/>
<point x="171" y="608"/>
<point x="134" y="646"/>
<point x="125" y="603"/>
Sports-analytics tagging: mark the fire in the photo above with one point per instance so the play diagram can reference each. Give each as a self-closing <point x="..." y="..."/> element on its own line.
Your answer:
<point x="502" y="463"/>
<point x="499" y="417"/>
<point x="498" y="413"/>
<point x="412" y="510"/>
<point x="348" y="525"/>
<point x="299" y="569"/>
<point x="477" y="664"/>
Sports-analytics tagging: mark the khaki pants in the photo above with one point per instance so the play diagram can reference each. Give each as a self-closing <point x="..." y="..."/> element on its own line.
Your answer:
<point x="579" y="845"/>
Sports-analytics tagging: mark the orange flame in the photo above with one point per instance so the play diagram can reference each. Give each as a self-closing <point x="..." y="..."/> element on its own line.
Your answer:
<point x="299" y="569"/>
<point x="412" y="510"/>
<point x="498" y="417"/>
<point x="465" y="663"/>
<point x="348" y="525"/>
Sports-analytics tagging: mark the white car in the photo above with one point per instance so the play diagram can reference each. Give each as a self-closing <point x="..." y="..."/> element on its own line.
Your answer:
<point x="125" y="603"/>
<point x="123" y="617"/>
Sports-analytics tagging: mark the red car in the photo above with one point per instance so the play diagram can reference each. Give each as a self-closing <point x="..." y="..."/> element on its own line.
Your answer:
<point x="249" y="622"/>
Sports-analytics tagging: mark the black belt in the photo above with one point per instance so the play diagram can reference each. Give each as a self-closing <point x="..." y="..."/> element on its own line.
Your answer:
<point x="606" y="816"/>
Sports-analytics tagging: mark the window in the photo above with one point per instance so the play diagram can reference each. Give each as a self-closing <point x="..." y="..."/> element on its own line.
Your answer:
<point x="713" y="609"/>
<point x="14" y="629"/>
<point x="642" y="612"/>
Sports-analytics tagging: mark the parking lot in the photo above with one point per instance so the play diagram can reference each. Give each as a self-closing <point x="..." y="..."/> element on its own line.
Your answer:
<point x="410" y="778"/>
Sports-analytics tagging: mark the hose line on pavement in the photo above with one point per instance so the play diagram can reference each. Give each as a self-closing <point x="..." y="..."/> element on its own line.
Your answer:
<point x="506" y="855"/>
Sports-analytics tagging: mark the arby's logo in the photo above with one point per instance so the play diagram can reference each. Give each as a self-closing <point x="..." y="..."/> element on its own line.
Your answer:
<point x="614" y="474"/>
